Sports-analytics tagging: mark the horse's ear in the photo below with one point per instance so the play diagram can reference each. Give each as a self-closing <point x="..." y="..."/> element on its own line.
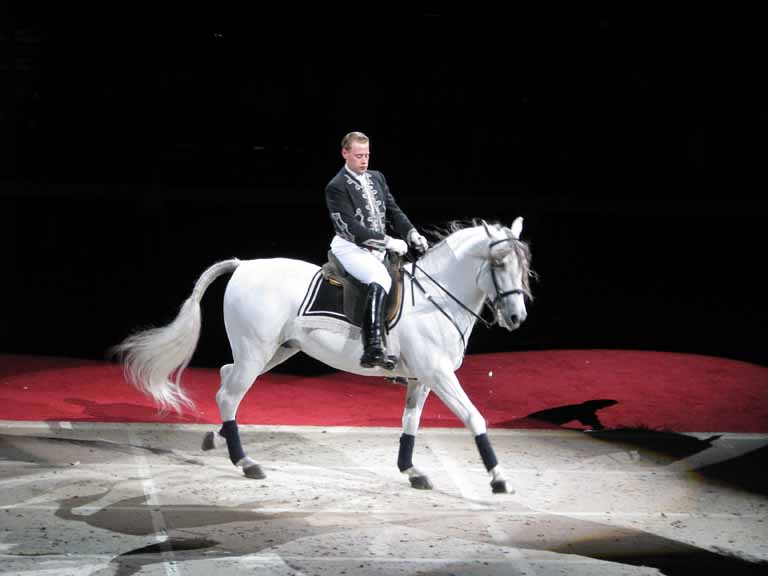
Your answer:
<point x="517" y="227"/>
<point x="487" y="230"/>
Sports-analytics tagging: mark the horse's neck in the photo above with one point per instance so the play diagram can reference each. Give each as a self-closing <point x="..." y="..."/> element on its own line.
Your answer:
<point x="467" y="244"/>
<point x="455" y="265"/>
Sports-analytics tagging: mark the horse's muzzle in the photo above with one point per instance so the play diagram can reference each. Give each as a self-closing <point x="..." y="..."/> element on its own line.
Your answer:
<point x="513" y="321"/>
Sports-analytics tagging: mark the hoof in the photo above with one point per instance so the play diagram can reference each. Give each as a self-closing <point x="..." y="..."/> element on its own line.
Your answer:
<point x="500" y="487"/>
<point x="420" y="483"/>
<point x="209" y="441"/>
<point x="254" y="471"/>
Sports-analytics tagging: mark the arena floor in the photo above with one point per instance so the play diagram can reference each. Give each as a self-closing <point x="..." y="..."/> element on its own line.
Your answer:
<point x="133" y="498"/>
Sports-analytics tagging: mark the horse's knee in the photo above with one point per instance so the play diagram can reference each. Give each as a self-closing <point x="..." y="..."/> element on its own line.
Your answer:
<point x="413" y="398"/>
<point x="476" y="423"/>
<point x="411" y="420"/>
<point x="414" y="404"/>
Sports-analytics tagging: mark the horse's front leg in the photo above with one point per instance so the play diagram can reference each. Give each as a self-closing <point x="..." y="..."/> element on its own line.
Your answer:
<point x="447" y="387"/>
<point x="414" y="404"/>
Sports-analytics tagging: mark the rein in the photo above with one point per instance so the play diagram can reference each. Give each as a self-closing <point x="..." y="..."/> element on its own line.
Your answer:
<point x="493" y="304"/>
<point x="415" y="281"/>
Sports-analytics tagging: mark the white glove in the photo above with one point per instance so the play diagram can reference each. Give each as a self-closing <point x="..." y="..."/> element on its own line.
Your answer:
<point x="396" y="245"/>
<point x="417" y="240"/>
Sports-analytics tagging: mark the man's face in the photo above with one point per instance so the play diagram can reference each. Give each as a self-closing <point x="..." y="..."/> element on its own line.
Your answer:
<point x="357" y="156"/>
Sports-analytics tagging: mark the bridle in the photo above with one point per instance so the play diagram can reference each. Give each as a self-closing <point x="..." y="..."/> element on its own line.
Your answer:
<point x="495" y="264"/>
<point x="494" y="303"/>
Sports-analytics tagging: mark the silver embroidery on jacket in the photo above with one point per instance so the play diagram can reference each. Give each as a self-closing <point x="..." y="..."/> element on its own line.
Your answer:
<point x="374" y="206"/>
<point x="360" y="217"/>
<point x="341" y="227"/>
<point x="375" y="220"/>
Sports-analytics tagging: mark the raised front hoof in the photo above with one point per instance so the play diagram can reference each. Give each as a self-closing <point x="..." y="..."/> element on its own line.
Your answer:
<point x="420" y="482"/>
<point x="500" y="487"/>
<point x="254" y="471"/>
<point x="209" y="441"/>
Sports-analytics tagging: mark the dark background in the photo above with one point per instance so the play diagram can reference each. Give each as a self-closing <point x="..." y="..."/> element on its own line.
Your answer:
<point x="138" y="148"/>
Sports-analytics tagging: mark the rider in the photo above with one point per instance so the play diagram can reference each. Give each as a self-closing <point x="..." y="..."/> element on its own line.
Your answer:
<point x="361" y="205"/>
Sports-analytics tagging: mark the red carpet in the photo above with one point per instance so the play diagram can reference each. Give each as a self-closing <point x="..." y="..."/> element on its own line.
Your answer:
<point x="677" y="392"/>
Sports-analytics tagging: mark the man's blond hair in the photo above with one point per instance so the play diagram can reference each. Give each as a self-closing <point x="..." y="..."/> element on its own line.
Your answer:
<point x="346" y="142"/>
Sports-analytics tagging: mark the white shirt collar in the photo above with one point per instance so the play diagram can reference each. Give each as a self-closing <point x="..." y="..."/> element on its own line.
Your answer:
<point x="358" y="177"/>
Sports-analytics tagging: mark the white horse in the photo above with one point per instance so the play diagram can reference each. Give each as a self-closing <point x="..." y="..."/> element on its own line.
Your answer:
<point x="443" y="295"/>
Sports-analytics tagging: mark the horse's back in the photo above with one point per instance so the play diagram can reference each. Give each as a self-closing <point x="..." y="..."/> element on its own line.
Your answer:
<point x="269" y="286"/>
<point x="271" y="273"/>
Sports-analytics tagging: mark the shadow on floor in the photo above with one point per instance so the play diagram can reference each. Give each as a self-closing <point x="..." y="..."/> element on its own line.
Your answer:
<point x="584" y="413"/>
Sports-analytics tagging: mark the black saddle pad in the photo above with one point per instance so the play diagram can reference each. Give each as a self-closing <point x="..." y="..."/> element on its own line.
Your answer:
<point x="325" y="299"/>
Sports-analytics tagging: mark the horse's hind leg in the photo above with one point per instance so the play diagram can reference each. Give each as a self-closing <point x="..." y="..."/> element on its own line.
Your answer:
<point x="414" y="404"/>
<point x="214" y="439"/>
<point x="236" y="380"/>
<point x="228" y="403"/>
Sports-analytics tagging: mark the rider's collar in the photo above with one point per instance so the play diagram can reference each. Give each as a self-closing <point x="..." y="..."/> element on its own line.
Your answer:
<point x="359" y="177"/>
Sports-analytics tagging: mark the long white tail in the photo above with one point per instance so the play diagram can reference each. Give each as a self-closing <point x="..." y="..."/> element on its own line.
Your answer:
<point x="151" y="357"/>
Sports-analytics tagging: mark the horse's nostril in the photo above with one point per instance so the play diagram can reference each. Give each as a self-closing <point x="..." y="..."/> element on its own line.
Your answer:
<point x="514" y="318"/>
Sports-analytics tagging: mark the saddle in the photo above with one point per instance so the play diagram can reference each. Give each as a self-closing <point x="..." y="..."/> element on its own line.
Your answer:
<point x="354" y="292"/>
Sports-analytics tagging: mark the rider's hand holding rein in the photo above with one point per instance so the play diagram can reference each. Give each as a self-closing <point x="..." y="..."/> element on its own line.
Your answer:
<point x="417" y="241"/>
<point x="396" y="245"/>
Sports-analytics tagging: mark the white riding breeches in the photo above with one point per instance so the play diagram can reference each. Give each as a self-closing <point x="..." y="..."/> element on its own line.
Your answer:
<point x="365" y="265"/>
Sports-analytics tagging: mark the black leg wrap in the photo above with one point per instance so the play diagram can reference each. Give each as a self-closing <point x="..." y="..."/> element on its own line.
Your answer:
<point x="405" y="456"/>
<point x="230" y="432"/>
<point x="486" y="451"/>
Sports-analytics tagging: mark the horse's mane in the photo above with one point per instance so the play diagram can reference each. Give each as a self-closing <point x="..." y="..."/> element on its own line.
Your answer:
<point x="439" y="233"/>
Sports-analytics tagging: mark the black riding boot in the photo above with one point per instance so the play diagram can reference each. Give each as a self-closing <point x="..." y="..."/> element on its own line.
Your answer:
<point x="373" y="321"/>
